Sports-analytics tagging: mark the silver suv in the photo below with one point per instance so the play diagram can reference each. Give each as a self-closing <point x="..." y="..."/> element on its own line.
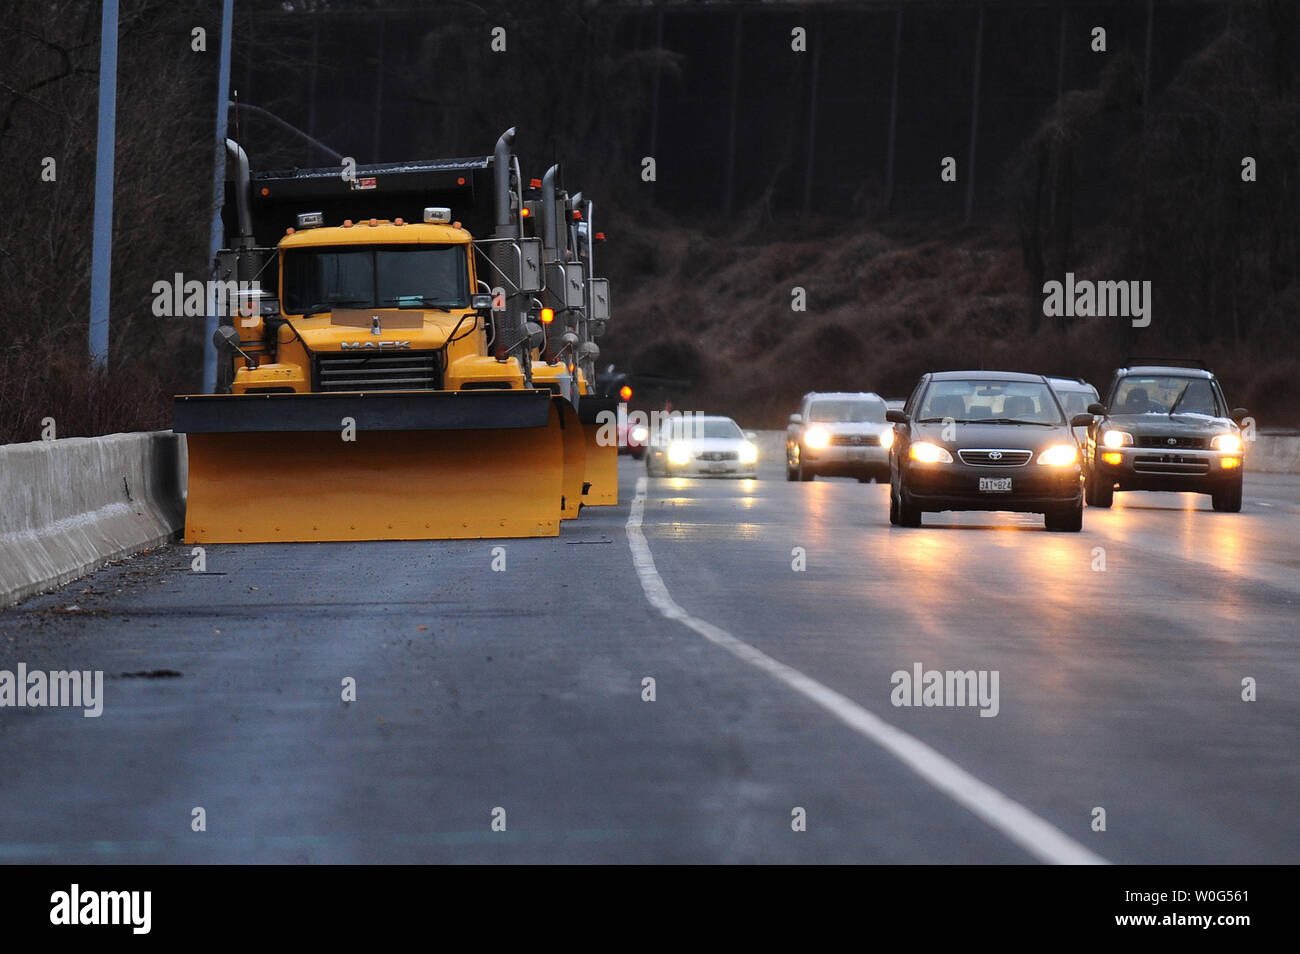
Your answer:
<point x="839" y="434"/>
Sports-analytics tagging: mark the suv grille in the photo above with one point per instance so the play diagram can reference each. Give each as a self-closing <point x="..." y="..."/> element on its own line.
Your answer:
<point x="417" y="370"/>
<point x="1170" y="464"/>
<point x="1172" y="441"/>
<point x="853" y="440"/>
<point x="994" y="457"/>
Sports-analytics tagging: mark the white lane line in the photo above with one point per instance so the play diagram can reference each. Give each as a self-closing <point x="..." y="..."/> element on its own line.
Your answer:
<point x="1012" y="819"/>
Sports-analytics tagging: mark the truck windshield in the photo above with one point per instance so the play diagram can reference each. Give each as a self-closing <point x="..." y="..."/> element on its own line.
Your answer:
<point x="375" y="276"/>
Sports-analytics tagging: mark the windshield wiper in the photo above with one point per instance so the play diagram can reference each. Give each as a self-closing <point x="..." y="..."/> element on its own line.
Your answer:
<point x="328" y="305"/>
<point x="1179" y="399"/>
<point x="424" y="301"/>
<point x="1015" y="420"/>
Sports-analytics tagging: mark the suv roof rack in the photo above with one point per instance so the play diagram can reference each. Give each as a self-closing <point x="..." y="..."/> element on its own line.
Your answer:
<point x="1168" y="363"/>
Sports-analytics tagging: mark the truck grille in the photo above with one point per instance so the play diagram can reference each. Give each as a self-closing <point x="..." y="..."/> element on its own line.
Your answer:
<point x="1170" y="464"/>
<point x="1172" y="441"/>
<point x="995" y="457"/>
<point x="414" y="371"/>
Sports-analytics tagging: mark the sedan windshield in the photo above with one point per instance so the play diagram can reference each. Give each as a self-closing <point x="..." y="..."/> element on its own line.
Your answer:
<point x="847" y="412"/>
<point x="375" y="276"/>
<point x="707" y="429"/>
<point x="1164" y="394"/>
<point x="993" y="402"/>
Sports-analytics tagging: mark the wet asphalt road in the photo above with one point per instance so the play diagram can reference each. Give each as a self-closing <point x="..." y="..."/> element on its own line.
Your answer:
<point x="522" y="690"/>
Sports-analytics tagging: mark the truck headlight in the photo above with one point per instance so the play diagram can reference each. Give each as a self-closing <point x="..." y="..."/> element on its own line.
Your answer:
<point x="1228" y="443"/>
<point x="887" y="439"/>
<point x="928" y="453"/>
<point x="817" y="437"/>
<point x="679" y="453"/>
<point x="748" y="453"/>
<point x="1059" y="455"/>
<point x="1117" y="438"/>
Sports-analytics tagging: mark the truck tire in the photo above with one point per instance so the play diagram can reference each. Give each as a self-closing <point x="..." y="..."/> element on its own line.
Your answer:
<point x="1098" y="493"/>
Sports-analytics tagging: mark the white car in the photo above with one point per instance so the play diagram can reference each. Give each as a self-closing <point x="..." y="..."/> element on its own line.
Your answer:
<point x="700" y="446"/>
<point x="839" y="434"/>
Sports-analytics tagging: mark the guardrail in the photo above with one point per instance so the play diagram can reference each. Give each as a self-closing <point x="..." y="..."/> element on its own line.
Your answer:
<point x="68" y="506"/>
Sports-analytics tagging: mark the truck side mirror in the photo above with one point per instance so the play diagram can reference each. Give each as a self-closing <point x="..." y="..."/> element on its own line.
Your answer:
<point x="1096" y="408"/>
<point x="796" y="418"/>
<point x="895" y="416"/>
<point x="1081" y="420"/>
<point x="1239" y="414"/>
<point x="481" y="302"/>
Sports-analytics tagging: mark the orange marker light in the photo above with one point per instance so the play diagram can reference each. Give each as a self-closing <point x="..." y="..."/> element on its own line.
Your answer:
<point x="625" y="393"/>
<point x="398" y="222"/>
<point x="289" y="230"/>
<point x="265" y="191"/>
<point x="1227" y="463"/>
<point x="460" y="180"/>
<point x="534" y="183"/>
<point x="548" y="315"/>
<point x="524" y="212"/>
<point x="373" y="223"/>
<point x="1113" y="458"/>
<point x="600" y="236"/>
<point x="347" y="223"/>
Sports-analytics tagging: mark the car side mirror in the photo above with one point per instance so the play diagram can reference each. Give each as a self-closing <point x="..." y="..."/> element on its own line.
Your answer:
<point x="1239" y="414"/>
<point x="750" y="436"/>
<point x="796" y="418"/>
<point x="481" y="302"/>
<point x="1097" y="409"/>
<point x="1081" y="420"/>
<point x="895" y="416"/>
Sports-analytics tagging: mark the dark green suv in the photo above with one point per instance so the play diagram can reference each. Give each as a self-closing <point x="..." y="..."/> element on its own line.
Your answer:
<point x="1164" y="428"/>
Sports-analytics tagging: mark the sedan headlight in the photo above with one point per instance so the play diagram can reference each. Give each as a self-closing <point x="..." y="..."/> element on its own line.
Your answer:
<point x="928" y="453"/>
<point x="1117" y="438"/>
<point x="748" y="453"/>
<point x="817" y="437"/>
<point x="1228" y="443"/>
<point x="1059" y="455"/>
<point x="679" y="453"/>
<point x="887" y="439"/>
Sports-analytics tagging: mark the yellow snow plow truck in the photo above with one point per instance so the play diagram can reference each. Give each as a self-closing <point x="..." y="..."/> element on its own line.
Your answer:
<point x="380" y="388"/>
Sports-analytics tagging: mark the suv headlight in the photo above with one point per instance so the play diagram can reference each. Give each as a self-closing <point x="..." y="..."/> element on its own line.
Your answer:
<point x="1228" y="443"/>
<point x="887" y="438"/>
<point x="817" y="437"/>
<point x="1059" y="455"/>
<point x="748" y="453"/>
<point x="928" y="453"/>
<point x="679" y="453"/>
<point x="1112" y="438"/>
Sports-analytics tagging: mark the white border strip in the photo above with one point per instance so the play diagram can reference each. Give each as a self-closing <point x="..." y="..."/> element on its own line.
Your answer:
<point x="1012" y="819"/>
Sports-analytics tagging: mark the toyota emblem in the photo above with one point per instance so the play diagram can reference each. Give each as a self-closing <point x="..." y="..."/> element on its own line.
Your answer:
<point x="1172" y="441"/>
<point x="995" y="455"/>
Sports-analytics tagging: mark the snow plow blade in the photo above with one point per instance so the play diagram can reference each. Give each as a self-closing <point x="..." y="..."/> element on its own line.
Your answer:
<point x="575" y="459"/>
<point x="413" y="465"/>
<point x="601" y="470"/>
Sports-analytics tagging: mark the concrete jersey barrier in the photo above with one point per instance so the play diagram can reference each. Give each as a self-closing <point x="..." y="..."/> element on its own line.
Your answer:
<point x="68" y="506"/>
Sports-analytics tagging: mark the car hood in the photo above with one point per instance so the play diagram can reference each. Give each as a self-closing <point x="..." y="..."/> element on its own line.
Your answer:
<point x="700" y="445"/>
<point x="1028" y="436"/>
<point x="870" y="428"/>
<point x="1189" y="425"/>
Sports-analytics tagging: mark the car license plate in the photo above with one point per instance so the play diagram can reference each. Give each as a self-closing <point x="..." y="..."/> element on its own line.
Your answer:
<point x="857" y="453"/>
<point x="717" y="469"/>
<point x="995" y="485"/>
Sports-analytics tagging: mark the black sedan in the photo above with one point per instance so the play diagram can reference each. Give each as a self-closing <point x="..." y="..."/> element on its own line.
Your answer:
<point x="985" y="440"/>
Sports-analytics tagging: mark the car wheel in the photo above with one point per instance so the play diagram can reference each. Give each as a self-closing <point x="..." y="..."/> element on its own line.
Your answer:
<point x="637" y="453"/>
<point x="909" y="515"/>
<point x="805" y="473"/>
<point x="893" y="508"/>
<point x="1099" y="493"/>
<point x="1228" y="499"/>
<point x="1069" y="520"/>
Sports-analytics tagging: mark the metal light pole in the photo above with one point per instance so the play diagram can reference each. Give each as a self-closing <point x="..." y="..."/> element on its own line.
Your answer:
<point x="218" y="194"/>
<point x="101" y="261"/>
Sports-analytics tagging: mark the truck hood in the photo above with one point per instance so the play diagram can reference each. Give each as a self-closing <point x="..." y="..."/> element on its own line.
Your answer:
<point x="1180" y="425"/>
<point x="399" y="329"/>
